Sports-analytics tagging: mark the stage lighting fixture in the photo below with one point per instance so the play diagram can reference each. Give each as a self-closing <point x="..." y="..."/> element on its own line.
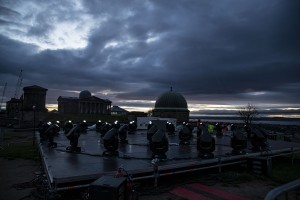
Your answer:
<point x="116" y="124"/>
<point x="232" y="127"/>
<point x="185" y="134"/>
<point x="68" y="126"/>
<point x="259" y="140"/>
<point x="73" y="135"/>
<point x="159" y="144"/>
<point x="57" y="127"/>
<point x="98" y="126"/>
<point x="123" y="131"/>
<point x="84" y="126"/>
<point x="52" y="130"/>
<point x="218" y="130"/>
<point x="199" y="129"/>
<point x="132" y="127"/>
<point x="111" y="141"/>
<point x="58" y="124"/>
<point x="238" y="143"/>
<point x="104" y="129"/>
<point x="149" y="125"/>
<point x="42" y="129"/>
<point x="170" y="128"/>
<point x="152" y="128"/>
<point x="205" y="145"/>
<point x="248" y="131"/>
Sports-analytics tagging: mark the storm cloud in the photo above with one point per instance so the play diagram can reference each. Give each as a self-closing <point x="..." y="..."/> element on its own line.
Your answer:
<point x="226" y="52"/>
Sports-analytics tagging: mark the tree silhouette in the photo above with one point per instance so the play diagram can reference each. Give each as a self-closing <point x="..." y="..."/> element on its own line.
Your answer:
<point x="248" y="113"/>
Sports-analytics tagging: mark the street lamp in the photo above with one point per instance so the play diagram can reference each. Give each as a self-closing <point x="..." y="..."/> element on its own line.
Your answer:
<point x="33" y="140"/>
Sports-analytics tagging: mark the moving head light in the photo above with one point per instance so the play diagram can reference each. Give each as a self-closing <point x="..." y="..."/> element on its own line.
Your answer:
<point x="248" y="131"/>
<point x="159" y="143"/>
<point x="259" y="140"/>
<point x="170" y="128"/>
<point x="42" y="129"/>
<point x="68" y="126"/>
<point x="232" y="127"/>
<point x="205" y="144"/>
<point x="149" y="125"/>
<point x="123" y="131"/>
<point x="185" y="134"/>
<point x="199" y="129"/>
<point x="73" y="135"/>
<point x="98" y="126"/>
<point x="132" y="127"/>
<point x="51" y="131"/>
<point x="111" y="142"/>
<point x="84" y="126"/>
<point x="152" y="128"/>
<point x="238" y="143"/>
<point x="218" y="130"/>
<point x="104" y="129"/>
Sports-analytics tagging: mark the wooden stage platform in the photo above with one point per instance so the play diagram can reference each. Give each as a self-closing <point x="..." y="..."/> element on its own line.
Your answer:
<point x="66" y="170"/>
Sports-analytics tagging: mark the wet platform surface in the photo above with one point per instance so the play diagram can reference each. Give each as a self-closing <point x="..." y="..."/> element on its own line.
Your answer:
<point x="63" y="168"/>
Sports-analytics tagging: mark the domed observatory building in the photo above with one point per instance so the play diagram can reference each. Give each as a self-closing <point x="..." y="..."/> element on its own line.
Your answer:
<point x="85" y="104"/>
<point x="171" y="105"/>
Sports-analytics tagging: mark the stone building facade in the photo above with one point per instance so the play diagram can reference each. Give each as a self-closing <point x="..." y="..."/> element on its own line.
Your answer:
<point x="33" y="98"/>
<point x="84" y="104"/>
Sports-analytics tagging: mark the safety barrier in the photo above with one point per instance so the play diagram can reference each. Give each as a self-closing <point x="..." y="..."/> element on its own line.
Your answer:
<point x="273" y="194"/>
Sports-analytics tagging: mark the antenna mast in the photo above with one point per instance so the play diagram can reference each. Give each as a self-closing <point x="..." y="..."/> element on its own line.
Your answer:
<point x="19" y="83"/>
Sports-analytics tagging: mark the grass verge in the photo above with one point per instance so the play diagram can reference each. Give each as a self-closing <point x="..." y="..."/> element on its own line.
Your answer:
<point x="20" y="150"/>
<point x="284" y="170"/>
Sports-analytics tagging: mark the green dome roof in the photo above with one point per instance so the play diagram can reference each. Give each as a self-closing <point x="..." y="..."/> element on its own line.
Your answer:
<point x="172" y="101"/>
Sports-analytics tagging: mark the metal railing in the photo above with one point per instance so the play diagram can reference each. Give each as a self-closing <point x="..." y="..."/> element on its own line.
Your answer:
<point x="273" y="194"/>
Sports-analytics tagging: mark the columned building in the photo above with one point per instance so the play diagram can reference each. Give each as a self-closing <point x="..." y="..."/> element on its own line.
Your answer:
<point x="85" y="104"/>
<point x="171" y="105"/>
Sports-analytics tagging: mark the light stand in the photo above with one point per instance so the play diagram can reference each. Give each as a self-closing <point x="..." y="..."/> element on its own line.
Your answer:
<point x="33" y="138"/>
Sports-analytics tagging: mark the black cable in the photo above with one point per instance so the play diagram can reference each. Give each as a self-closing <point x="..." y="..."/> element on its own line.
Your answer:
<point x="40" y="183"/>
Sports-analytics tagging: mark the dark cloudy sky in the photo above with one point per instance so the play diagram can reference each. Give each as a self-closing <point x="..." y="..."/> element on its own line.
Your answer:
<point x="219" y="54"/>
